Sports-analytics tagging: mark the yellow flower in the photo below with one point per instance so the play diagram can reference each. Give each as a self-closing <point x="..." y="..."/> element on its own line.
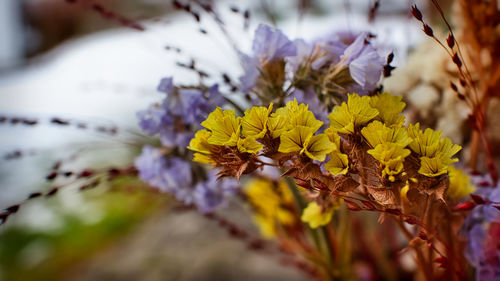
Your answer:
<point x="376" y="133"/>
<point x="294" y="140"/>
<point x="432" y="167"/>
<point x="301" y="139"/>
<point x="460" y="185"/>
<point x="424" y="143"/>
<point x="318" y="146"/>
<point x="202" y="158"/>
<point x="391" y="156"/>
<point x="315" y="216"/>
<point x="338" y="164"/>
<point x="249" y="145"/>
<point x="333" y="136"/>
<point x="447" y="149"/>
<point x="254" y="123"/>
<point x="436" y="152"/>
<point x="348" y="116"/>
<point x="203" y="149"/>
<point x="225" y="127"/>
<point x="268" y="200"/>
<point x="200" y="142"/>
<point x="296" y="114"/>
<point x="304" y="118"/>
<point x="277" y="124"/>
<point x="390" y="108"/>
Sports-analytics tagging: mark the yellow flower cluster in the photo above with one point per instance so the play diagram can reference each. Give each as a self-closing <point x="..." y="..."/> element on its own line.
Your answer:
<point x="435" y="152"/>
<point x="298" y="128"/>
<point x="270" y="200"/>
<point x="294" y="124"/>
<point x="388" y="145"/>
<point x="377" y="119"/>
<point x="228" y="130"/>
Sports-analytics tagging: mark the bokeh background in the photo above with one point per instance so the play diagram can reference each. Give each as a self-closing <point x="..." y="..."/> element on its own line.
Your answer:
<point x="68" y="60"/>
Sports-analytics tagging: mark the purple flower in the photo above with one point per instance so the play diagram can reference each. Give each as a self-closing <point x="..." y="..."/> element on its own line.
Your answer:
<point x="179" y="114"/>
<point x="150" y="165"/>
<point x="481" y="228"/>
<point x="166" y="85"/>
<point x="269" y="45"/>
<point x="152" y="119"/>
<point x="175" y="176"/>
<point x="365" y="64"/>
<point x="212" y="193"/>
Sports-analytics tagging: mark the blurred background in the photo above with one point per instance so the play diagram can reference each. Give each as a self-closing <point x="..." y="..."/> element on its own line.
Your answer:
<point x="86" y="63"/>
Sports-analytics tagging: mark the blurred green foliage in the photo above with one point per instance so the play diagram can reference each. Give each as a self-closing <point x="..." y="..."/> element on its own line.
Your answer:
<point x="126" y="203"/>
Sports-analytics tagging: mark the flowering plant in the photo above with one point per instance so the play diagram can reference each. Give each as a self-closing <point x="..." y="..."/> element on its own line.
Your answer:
<point x="313" y="147"/>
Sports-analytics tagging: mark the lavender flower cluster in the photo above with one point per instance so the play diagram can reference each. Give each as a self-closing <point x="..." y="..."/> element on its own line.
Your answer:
<point x="168" y="168"/>
<point x="482" y="230"/>
<point x="314" y="71"/>
<point x="179" y="115"/>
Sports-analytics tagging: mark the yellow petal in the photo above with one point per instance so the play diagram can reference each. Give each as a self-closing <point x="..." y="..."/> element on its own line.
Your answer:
<point x="348" y="116"/>
<point x="390" y="108"/>
<point x="338" y="164"/>
<point x="254" y="123"/>
<point x="267" y="199"/>
<point x="333" y="136"/>
<point x="460" y="185"/>
<point x="424" y="143"/>
<point x="294" y="140"/>
<point x="199" y="143"/>
<point x="432" y="167"/>
<point x="447" y="149"/>
<point x="277" y="124"/>
<point x="201" y="158"/>
<point x="315" y="216"/>
<point x="213" y="119"/>
<point x="227" y="131"/>
<point x="249" y="145"/>
<point x="318" y="146"/>
<point x="377" y="133"/>
<point x="304" y="118"/>
<point x="391" y="156"/>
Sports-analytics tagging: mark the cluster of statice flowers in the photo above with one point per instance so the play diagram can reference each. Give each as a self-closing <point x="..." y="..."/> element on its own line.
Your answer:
<point x="319" y="73"/>
<point x="168" y="167"/>
<point x="482" y="230"/>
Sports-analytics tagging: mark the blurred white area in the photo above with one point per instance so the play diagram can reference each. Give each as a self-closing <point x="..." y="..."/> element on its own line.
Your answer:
<point x="11" y="33"/>
<point x="108" y="76"/>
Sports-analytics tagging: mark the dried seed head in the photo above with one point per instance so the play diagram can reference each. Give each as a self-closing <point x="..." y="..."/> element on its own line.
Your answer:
<point x="390" y="58"/>
<point x="12" y="209"/>
<point x="52" y="192"/>
<point x="450" y="41"/>
<point x="453" y="87"/>
<point x="196" y="16"/>
<point x="457" y="60"/>
<point x="428" y="30"/>
<point x="416" y="12"/>
<point x="34" y="195"/>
